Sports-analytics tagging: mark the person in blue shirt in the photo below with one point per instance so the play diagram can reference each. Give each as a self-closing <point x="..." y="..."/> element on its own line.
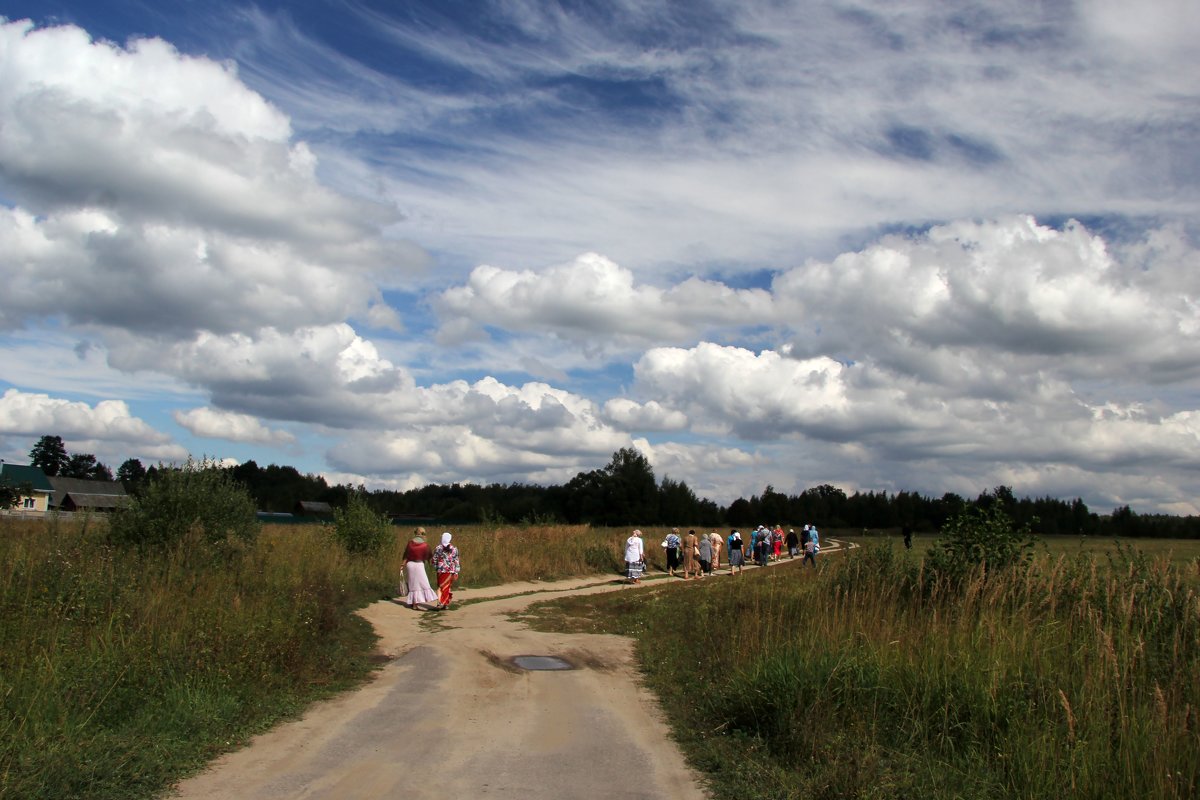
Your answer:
<point x="734" y="548"/>
<point x="673" y="543"/>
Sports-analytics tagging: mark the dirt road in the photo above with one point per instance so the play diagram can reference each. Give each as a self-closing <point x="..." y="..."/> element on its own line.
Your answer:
<point x="450" y="717"/>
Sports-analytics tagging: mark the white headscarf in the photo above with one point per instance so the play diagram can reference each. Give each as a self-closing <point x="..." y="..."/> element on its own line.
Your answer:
<point x="445" y="538"/>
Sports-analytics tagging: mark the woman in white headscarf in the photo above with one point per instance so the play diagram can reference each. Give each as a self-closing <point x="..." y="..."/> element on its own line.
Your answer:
<point x="635" y="553"/>
<point x="446" y="563"/>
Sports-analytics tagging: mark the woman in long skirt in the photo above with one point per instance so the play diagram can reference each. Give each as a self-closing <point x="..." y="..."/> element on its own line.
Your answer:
<point x="416" y="553"/>
<point x="673" y="544"/>
<point x="735" y="552"/>
<point x="691" y="555"/>
<point x="705" y="547"/>
<point x="635" y="556"/>
<point x="447" y="566"/>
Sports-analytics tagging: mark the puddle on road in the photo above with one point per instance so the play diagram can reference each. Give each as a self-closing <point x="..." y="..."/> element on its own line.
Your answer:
<point x="539" y="663"/>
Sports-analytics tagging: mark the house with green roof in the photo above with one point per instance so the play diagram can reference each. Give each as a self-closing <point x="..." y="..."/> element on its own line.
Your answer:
<point x="34" y="486"/>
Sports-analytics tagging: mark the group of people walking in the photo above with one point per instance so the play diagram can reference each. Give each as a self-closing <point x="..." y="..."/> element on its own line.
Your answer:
<point x="446" y="564"/>
<point x="696" y="556"/>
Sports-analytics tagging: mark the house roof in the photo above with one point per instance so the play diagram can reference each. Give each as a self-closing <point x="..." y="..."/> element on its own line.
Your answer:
<point x="85" y="500"/>
<point x="82" y="486"/>
<point x="314" y="507"/>
<point x="17" y="474"/>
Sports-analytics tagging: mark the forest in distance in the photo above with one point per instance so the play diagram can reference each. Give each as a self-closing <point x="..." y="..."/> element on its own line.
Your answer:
<point x="627" y="492"/>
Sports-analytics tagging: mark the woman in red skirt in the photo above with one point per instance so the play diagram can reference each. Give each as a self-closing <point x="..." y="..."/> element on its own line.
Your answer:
<point x="446" y="563"/>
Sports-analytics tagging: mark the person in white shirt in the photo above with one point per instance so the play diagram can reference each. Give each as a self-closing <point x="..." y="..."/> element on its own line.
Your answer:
<point x="634" y="555"/>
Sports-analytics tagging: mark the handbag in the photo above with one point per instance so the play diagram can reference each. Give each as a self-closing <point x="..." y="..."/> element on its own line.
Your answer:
<point x="664" y="543"/>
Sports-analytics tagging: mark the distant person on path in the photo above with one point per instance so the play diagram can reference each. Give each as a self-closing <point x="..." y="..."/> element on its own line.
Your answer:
<point x="736" y="556"/>
<point x="777" y="542"/>
<point x="812" y="546"/>
<point x="416" y="553"/>
<point x="447" y="566"/>
<point x="706" y="555"/>
<point x="908" y="537"/>
<point x="716" y="549"/>
<point x="672" y="544"/>
<point x="793" y="543"/>
<point x="691" y="555"/>
<point x="762" y="549"/>
<point x="635" y="554"/>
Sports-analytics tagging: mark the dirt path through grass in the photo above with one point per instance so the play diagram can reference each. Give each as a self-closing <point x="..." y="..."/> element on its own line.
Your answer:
<point x="450" y="716"/>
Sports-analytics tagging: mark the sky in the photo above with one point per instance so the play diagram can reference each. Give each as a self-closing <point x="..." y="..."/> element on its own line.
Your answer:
<point x="884" y="244"/>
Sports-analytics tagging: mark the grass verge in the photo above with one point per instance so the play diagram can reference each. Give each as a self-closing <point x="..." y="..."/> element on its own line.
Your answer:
<point x="1074" y="677"/>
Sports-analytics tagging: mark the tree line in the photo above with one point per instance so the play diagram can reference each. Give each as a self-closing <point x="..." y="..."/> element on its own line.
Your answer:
<point x="627" y="492"/>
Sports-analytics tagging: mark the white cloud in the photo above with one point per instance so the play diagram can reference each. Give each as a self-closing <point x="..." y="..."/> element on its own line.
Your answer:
<point x="212" y="423"/>
<point x="30" y="413"/>
<point x="716" y="472"/>
<point x="595" y="302"/>
<point x="487" y="431"/>
<point x="106" y="429"/>
<point x="761" y="396"/>
<point x="1051" y="299"/>
<point x="651" y="416"/>
<point x="154" y="191"/>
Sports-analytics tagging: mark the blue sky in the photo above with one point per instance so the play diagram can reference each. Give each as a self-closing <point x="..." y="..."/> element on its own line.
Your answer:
<point x="916" y="245"/>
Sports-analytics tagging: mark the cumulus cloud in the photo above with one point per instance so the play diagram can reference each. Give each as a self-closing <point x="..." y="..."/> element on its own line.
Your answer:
<point x="106" y="429"/>
<point x="155" y="192"/>
<point x="651" y="416"/>
<point x="488" y="430"/>
<point x="327" y="375"/>
<point x="1011" y="289"/>
<point x="715" y="471"/>
<point x="595" y="302"/>
<point x="214" y="423"/>
<point x="758" y="395"/>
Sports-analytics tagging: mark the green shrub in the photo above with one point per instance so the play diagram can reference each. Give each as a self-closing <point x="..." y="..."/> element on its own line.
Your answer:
<point x="197" y="500"/>
<point x="980" y="537"/>
<point x="361" y="530"/>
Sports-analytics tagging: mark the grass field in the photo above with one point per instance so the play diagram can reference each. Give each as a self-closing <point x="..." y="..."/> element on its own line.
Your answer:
<point x="121" y="672"/>
<point x="1181" y="552"/>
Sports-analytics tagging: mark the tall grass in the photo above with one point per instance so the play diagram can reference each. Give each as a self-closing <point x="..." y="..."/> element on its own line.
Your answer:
<point x="872" y="678"/>
<point x="493" y="555"/>
<point x="119" y="671"/>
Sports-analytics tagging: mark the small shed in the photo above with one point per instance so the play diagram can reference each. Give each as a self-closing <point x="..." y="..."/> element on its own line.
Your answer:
<point x="81" y="494"/>
<point x="83" y="501"/>
<point x="313" y="508"/>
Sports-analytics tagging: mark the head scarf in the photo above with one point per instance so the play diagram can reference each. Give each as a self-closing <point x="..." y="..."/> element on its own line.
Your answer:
<point x="445" y="538"/>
